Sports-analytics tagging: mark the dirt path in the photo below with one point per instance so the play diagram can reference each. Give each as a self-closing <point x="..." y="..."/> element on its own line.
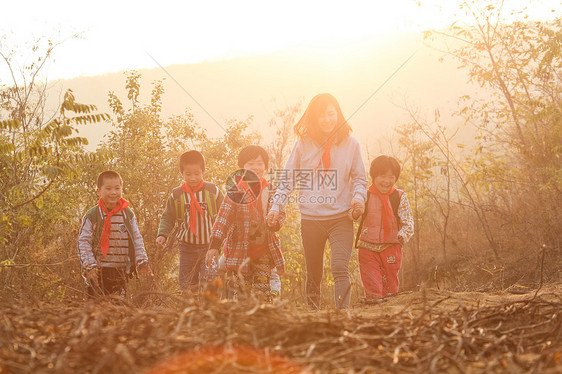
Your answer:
<point x="415" y="303"/>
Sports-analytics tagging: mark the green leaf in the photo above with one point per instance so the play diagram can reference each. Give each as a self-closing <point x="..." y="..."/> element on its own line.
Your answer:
<point x="6" y="148"/>
<point x="39" y="202"/>
<point x="10" y="124"/>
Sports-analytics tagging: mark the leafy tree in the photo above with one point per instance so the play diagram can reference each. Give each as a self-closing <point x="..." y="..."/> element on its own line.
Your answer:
<point x="519" y="127"/>
<point x="282" y="122"/>
<point x="417" y="171"/>
<point x="145" y="149"/>
<point x="294" y="278"/>
<point x="37" y="149"/>
<point x="40" y="155"/>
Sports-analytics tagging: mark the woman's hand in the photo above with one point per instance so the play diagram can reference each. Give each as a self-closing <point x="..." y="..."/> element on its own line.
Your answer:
<point x="357" y="209"/>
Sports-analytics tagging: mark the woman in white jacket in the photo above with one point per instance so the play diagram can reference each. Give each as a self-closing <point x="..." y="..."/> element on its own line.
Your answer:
<point x="327" y="170"/>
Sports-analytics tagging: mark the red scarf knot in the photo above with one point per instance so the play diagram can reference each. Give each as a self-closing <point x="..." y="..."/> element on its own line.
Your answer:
<point x="326" y="158"/>
<point x="253" y="194"/>
<point x="104" y="242"/>
<point x="194" y="205"/>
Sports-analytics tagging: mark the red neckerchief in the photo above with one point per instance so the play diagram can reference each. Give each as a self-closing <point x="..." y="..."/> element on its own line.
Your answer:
<point x="386" y="208"/>
<point x="254" y="195"/>
<point x="326" y="158"/>
<point x="194" y="205"/>
<point x="104" y="242"/>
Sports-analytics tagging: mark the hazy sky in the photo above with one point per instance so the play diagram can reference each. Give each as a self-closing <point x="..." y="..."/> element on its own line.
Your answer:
<point x="120" y="35"/>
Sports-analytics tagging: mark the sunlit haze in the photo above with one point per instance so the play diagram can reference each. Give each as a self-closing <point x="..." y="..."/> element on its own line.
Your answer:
<point x="121" y="35"/>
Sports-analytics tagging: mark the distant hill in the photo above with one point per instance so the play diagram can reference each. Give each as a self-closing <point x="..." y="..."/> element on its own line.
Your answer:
<point x="258" y="85"/>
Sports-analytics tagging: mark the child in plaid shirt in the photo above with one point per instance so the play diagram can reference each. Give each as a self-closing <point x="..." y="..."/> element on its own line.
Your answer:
<point x="251" y="247"/>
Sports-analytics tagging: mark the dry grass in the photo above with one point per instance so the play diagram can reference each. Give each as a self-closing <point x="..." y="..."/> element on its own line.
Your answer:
<point x="428" y="331"/>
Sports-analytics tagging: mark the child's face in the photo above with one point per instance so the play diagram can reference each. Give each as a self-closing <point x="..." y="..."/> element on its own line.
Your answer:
<point x="385" y="182"/>
<point x="257" y="165"/>
<point x="328" y="120"/>
<point x="110" y="192"/>
<point x="192" y="174"/>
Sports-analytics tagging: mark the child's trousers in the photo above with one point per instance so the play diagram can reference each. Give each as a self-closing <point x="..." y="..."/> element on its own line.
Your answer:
<point x="379" y="271"/>
<point x="111" y="281"/>
<point x="192" y="258"/>
<point x="258" y="280"/>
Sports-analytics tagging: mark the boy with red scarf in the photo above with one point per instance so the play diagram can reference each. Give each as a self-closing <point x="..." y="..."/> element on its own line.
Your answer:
<point x="385" y="226"/>
<point x="110" y="245"/>
<point x="193" y="205"/>
<point x="251" y="247"/>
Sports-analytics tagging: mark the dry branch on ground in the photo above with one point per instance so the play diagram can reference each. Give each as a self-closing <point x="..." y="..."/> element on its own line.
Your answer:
<point x="517" y="335"/>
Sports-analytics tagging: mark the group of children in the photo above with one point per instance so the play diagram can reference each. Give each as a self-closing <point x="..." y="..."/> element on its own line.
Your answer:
<point x="244" y="221"/>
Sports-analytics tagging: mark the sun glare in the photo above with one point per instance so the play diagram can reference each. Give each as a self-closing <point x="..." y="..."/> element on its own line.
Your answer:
<point x="191" y="32"/>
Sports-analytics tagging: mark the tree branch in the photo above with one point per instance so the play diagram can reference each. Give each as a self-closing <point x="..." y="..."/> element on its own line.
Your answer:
<point x="17" y="206"/>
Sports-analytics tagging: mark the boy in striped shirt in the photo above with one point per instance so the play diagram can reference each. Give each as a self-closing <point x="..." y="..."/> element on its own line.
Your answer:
<point x="110" y="245"/>
<point x="193" y="205"/>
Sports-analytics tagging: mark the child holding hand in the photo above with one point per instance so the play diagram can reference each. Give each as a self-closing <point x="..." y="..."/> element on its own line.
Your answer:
<point x="251" y="247"/>
<point x="385" y="226"/>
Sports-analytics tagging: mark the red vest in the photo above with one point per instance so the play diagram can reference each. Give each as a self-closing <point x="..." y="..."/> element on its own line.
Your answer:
<point x="372" y="230"/>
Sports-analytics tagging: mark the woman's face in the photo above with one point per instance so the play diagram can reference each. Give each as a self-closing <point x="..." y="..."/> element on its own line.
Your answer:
<point x="328" y="120"/>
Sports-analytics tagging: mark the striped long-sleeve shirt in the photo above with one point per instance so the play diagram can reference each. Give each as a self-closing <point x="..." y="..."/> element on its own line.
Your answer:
<point x="178" y="210"/>
<point x="119" y="240"/>
<point x="204" y="222"/>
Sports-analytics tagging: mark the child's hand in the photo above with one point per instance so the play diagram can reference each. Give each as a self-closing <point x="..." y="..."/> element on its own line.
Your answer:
<point x="211" y="254"/>
<point x="160" y="241"/>
<point x="357" y="209"/>
<point x="272" y="219"/>
<point x="93" y="276"/>
<point x="145" y="270"/>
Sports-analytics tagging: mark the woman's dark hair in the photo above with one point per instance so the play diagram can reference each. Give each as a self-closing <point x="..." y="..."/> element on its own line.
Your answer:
<point x="308" y="124"/>
<point x="252" y="152"/>
<point x="190" y="158"/>
<point x="382" y="164"/>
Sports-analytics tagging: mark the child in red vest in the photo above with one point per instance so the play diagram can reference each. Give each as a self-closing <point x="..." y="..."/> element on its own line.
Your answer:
<point x="385" y="226"/>
<point x="193" y="206"/>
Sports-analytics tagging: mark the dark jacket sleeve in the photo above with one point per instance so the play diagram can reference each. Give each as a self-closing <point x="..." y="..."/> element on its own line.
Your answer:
<point x="222" y="223"/>
<point x="168" y="219"/>
<point x="219" y="199"/>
